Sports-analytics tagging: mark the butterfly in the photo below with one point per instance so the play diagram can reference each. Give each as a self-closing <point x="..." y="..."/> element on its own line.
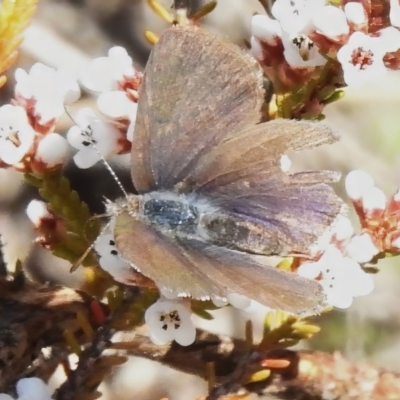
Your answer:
<point x="213" y="202"/>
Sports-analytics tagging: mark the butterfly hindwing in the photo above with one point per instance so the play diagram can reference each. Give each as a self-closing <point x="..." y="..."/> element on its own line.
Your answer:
<point x="200" y="270"/>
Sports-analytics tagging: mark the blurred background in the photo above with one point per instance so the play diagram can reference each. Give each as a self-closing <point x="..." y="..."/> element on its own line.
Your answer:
<point x="69" y="33"/>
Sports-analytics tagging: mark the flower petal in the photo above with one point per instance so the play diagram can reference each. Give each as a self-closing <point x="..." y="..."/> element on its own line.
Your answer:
<point x="339" y="298"/>
<point x="301" y="52"/>
<point x="116" y="104"/>
<point x="265" y="29"/>
<point x="86" y="159"/>
<point x="52" y="150"/>
<point x="16" y="134"/>
<point x="170" y="320"/>
<point x="357" y="183"/>
<point x="361" y="248"/>
<point x="32" y="389"/>
<point x="331" y="22"/>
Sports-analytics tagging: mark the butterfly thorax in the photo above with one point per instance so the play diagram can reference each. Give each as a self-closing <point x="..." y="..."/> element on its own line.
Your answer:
<point x="170" y="214"/>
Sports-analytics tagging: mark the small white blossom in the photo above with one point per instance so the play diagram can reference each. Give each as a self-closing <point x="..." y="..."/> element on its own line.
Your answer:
<point x="266" y="29"/>
<point x="32" y="389"/>
<point x="92" y="130"/>
<point x="170" y="320"/>
<point x="49" y="88"/>
<point x="104" y="73"/>
<point x="16" y="134"/>
<point x="52" y="150"/>
<point x="110" y="259"/>
<point x="343" y="228"/>
<point x="356" y="15"/>
<point x="116" y="104"/>
<point x="396" y="196"/>
<point x="285" y="163"/>
<point x="362" y="59"/>
<point x="373" y="199"/>
<point x="331" y="22"/>
<point x="296" y="16"/>
<point x="301" y="52"/>
<point x="219" y="301"/>
<point x="357" y="183"/>
<point x="37" y="211"/>
<point x="394" y="14"/>
<point x="239" y="301"/>
<point x="361" y="248"/>
<point x="341" y="277"/>
<point x="256" y="308"/>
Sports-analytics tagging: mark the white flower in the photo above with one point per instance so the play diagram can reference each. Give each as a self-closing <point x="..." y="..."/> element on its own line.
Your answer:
<point x="361" y="248"/>
<point x="296" y="16"/>
<point x="341" y="277"/>
<point x="110" y="260"/>
<point x="92" y="130"/>
<point x="266" y="29"/>
<point x="301" y="52"/>
<point x="240" y="302"/>
<point x="343" y="228"/>
<point x="16" y="134"/>
<point x="394" y="14"/>
<point x="356" y="15"/>
<point x="341" y="231"/>
<point x="32" y="389"/>
<point x="373" y="199"/>
<point x="219" y="301"/>
<point x="285" y="163"/>
<point x="170" y="320"/>
<point x="331" y="22"/>
<point x="116" y="104"/>
<point x="104" y="73"/>
<point x="37" y="211"/>
<point x="49" y="88"/>
<point x="52" y="150"/>
<point x="357" y="183"/>
<point x="362" y="59"/>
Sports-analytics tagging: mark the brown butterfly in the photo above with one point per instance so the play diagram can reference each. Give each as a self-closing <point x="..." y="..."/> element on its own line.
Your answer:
<point x="211" y="191"/>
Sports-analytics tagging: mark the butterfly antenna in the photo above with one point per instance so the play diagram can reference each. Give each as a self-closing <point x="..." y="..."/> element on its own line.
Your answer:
<point x="88" y="133"/>
<point x="80" y="260"/>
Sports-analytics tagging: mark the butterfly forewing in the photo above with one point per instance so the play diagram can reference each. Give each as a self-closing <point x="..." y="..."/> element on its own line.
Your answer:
<point x="196" y="91"/>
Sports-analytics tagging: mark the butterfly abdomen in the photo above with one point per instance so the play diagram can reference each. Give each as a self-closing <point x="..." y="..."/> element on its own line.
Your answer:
<point x="187" y="216"/>
<point x="229" y="231"/>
